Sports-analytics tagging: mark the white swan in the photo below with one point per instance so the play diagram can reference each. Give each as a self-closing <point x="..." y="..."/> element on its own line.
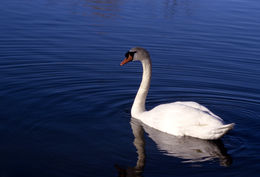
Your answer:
<point x="178" y="118"/>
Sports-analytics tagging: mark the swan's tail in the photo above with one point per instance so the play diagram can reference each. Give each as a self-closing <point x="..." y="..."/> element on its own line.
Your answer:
<point x="220" y="131"/>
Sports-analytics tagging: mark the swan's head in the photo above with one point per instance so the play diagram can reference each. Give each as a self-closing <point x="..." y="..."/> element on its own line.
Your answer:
<point x="135" y="54"/>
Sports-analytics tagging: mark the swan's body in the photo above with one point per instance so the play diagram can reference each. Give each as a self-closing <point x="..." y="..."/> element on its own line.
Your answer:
<point x="178" y="118"/>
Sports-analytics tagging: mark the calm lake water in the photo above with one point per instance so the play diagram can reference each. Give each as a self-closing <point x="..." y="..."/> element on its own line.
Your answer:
<point x="65" y="101"/>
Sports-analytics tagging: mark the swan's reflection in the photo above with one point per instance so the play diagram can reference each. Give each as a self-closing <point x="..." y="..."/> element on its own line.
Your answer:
<point x="139" y="143"/>
<point x="188" y="149"/>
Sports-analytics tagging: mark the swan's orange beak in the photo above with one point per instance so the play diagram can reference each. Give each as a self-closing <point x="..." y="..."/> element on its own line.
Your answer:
<point x="126" y="60"/>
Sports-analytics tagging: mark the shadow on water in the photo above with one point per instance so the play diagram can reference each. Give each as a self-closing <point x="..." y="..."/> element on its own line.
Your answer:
<point x="189" y="149"/>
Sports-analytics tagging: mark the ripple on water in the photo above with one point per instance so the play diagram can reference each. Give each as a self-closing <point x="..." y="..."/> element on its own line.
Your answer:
<point x="65" y="101"/>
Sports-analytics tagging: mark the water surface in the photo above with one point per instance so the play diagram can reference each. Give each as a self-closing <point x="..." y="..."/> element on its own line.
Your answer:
<point x="65" y="101"/>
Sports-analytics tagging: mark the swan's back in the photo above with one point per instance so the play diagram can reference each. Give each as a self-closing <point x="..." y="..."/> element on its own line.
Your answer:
<point x="186" y="118"/>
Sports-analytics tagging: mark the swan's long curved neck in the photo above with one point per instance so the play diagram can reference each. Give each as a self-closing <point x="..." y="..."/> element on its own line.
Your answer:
<point x="140" y="98"/>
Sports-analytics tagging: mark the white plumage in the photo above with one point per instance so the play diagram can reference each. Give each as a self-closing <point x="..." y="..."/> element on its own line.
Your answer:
<point x="178" y="118"/>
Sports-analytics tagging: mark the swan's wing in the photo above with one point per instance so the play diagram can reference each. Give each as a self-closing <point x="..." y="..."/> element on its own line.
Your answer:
<point x="178" y="118"/>
<point x="185" y="114"/>
<point x="186" y="118"/>
<point x="198" y="106"/>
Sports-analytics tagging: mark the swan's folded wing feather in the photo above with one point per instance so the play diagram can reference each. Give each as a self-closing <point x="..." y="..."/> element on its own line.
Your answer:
<point x="182" y="119"/>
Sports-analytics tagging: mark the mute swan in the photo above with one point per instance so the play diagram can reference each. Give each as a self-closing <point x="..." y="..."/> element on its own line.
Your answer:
<point x="177" y="118"/>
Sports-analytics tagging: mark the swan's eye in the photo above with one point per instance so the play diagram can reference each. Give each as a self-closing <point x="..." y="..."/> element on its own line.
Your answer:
<point x="132" y="53"/>
<point x="129" y="53"/>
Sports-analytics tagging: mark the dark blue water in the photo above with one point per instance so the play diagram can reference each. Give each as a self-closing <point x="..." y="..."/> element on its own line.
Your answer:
<point x="65" y="101"/>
